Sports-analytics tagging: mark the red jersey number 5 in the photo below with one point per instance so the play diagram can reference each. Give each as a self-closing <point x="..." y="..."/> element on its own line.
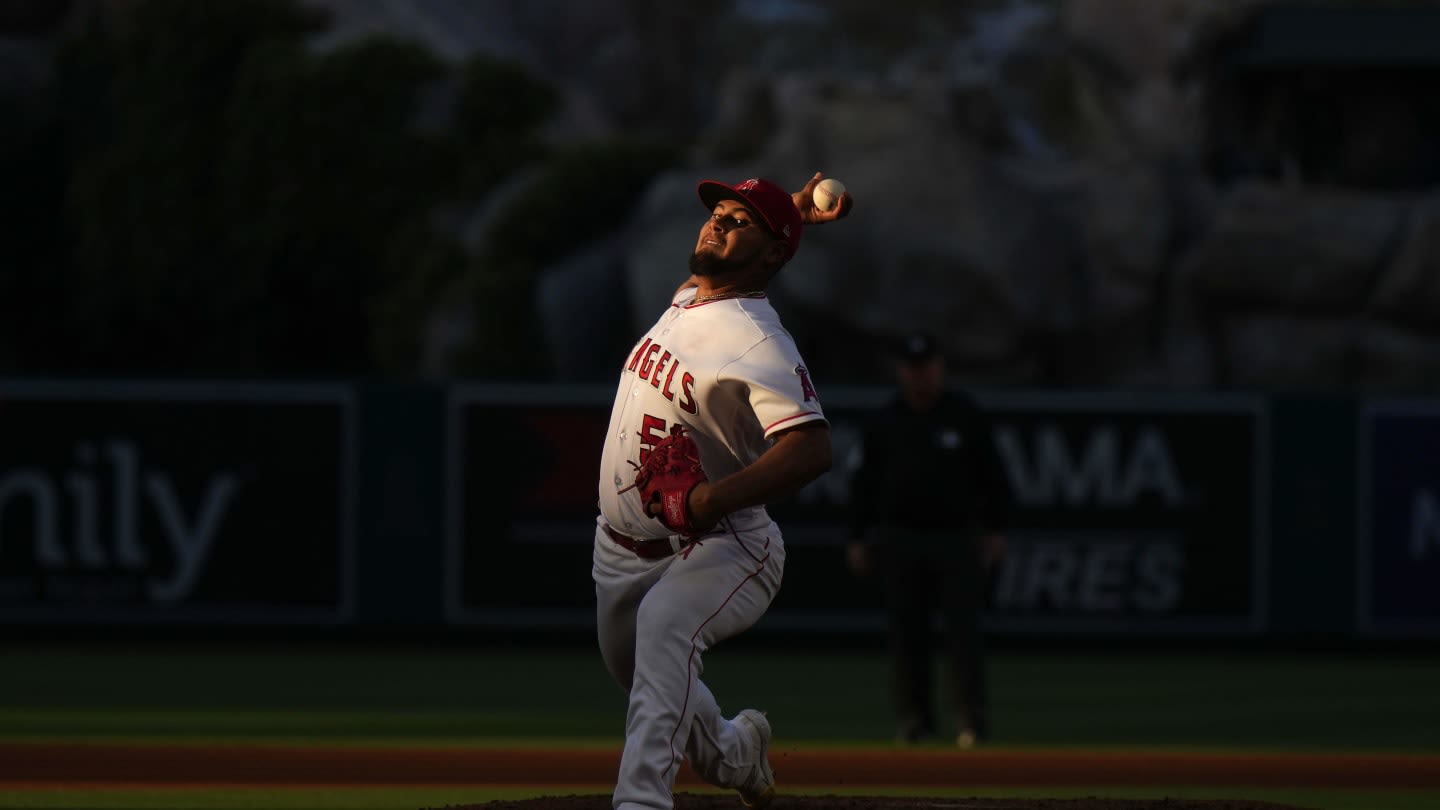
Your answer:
<point x="652" y="431"/>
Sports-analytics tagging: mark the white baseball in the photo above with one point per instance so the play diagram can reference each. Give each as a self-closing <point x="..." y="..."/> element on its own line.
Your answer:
<point x="828" y="193"/>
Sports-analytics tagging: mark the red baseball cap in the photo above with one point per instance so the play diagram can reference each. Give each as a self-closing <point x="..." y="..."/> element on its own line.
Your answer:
<point x="767" y="200"/>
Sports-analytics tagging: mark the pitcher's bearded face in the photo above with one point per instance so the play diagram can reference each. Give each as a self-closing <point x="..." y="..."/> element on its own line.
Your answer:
<point x="733" y="238"/>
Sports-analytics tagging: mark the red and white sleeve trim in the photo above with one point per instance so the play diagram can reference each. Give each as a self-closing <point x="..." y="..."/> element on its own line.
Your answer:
<point x="788" y="421"/>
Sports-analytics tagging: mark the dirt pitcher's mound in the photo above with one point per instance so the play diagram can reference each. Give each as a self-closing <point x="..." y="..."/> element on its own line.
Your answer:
<point x="690" y="801"/>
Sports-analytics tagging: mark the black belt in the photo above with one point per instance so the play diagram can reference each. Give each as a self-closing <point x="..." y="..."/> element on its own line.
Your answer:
<point x="656" y="549"/>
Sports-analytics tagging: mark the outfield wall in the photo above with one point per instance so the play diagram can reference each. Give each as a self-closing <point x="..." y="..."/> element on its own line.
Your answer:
<point x="470" y="507"/>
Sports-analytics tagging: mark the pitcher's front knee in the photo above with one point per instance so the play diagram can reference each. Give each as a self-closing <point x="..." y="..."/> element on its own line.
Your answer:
<point x="659" y="628"/>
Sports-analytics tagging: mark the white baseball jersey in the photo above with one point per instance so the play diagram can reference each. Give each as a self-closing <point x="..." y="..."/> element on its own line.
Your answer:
<point x="725" y="369"/>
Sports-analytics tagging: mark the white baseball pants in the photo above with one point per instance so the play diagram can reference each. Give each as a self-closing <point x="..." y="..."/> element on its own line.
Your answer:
<point x="655" y="620"/>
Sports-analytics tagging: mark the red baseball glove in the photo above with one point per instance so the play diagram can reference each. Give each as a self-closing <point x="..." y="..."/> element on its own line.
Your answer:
<point x="665" y="479"/>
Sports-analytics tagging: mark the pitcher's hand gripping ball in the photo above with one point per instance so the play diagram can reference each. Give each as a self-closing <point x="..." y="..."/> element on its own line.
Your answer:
<point x="827" y="193"/>
<point x="665" y="479"/>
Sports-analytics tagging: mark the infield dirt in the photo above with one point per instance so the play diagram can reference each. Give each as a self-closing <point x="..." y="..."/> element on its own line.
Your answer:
<point x="809" y="778"/>
<point x="830" y="771"/>
<point x="694" y="802"/>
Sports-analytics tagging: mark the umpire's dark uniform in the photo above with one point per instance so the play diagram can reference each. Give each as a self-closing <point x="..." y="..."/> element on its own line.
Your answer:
<point x="927" y="486"/>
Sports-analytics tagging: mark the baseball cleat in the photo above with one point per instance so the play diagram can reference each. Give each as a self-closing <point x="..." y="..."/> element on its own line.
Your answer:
<point x="759" y="787"/>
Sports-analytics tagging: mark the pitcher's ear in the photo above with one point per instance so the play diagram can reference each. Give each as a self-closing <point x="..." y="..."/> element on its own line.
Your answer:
<point x="779" y="249"/>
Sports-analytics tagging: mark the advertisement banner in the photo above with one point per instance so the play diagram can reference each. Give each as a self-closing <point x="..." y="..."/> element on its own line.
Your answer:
<point x="521" y="502"/>
<point x="175" y="503"/>
<point x="1399" y="549"/>
<point x="1131" y="514"/>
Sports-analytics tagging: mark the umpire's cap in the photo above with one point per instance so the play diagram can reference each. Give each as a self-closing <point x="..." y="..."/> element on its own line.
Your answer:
<point x="768" y="200"/>
<point x="918" y="347"/>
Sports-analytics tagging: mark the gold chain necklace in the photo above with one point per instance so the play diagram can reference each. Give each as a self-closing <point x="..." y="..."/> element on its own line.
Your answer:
<point x="703" y="299"/>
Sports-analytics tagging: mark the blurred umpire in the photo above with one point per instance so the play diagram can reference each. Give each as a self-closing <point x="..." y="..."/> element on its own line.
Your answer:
<point x="929" y="506"/>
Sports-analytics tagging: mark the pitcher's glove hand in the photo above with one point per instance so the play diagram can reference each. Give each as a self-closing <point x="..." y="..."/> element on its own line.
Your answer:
<point x="666" y="478"/>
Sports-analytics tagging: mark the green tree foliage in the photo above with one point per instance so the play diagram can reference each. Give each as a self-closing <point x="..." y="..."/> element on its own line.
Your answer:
<point x="235" y="217"/>
<point x="31" y="233"/>
<point x="499" y="111"/>
<point x="200" y="191"/>
<point x="150" y="287"/>
<point x="581" y="194"/>
<point x="322" y="170"/>
<point x="419" y="268"/>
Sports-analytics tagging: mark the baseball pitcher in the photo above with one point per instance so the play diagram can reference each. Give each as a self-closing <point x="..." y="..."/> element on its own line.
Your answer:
<point x="714" y="417"/>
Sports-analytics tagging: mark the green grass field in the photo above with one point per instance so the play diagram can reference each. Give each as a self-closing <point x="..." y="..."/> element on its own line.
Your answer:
<point x="460" y="696"/>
